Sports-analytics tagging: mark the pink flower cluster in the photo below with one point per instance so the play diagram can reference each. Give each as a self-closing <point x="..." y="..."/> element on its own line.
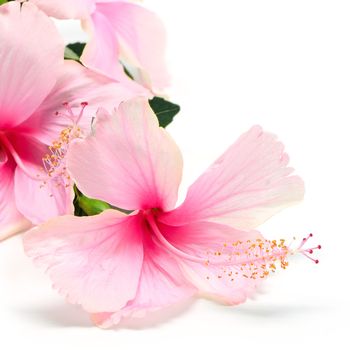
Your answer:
<point x="87" y="124"/>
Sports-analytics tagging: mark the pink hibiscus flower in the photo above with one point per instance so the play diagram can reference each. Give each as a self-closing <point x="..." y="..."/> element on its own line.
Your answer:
<point x="119" y="31"/>
<point x="116" y="265"/>
<point x="34" y="82"/>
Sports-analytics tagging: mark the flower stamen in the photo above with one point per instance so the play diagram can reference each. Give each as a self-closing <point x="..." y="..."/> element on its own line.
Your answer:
<point x="54" y="162"/>
<point x="250" y="259"/>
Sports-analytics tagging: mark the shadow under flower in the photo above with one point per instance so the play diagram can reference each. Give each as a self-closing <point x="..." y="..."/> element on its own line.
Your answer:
<point x="274" y="311"/>
<point x="56" y="315"/>
<point x="71" y="316"/>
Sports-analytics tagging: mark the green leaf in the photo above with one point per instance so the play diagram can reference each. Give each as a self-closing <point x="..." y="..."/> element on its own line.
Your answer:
<point x="3" y="2"/>
<point x="70" y="54"/>
<point x="164" y="110"/>
<point x="85" y="206"/>
<point x="74" y="51"/>
<point x="128" y="73"/>
<point x="92" y="206"/>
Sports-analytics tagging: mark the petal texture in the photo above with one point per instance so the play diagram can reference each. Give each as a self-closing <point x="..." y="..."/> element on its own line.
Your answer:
<point x="138" y="166"/>
<point x="94" y="261"/>
<point x="26" y="63"/>
<point x="248" y="184"/>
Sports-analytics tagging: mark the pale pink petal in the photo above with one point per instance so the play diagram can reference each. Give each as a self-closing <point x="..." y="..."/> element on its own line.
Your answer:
<point x="11" y="220"/>
<point x="142" y="40"/>
<point x="101" y="53"/>
<point x="248" y="184"/>
<point x="38" y="201"/>
<point x="31" y="54"/>
<point x="128" y="161"/>
<point x="223" y="282"/>
<point x="94" y="261"/>
<point x="162" y="284"/>
<point x="77" y="84"/>
<point x="66" y="9"/>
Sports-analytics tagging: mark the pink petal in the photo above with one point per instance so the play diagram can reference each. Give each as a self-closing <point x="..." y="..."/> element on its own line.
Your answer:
<point x="77" y="84"/>
<point x="11" y="220"/>
<point x="161" y="285"/>
<point x="138" y="166"/>
<point x="28" y="65"/>
<point x="66" y="9"/>
<point x="36" y="199"/>
<point x="214" y="281"/>
<point x="101" y="53"/>
<point x="39" y="202"/>
<point x="141" y="38"/>
<point x="248" y="184"/>
<point x="94" y="261"/>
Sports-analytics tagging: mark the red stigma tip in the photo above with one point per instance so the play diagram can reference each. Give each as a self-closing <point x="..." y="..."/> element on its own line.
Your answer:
<point x="65" y="104"/>
<point x="84" y="104"/>
<point x="310" y="250"/>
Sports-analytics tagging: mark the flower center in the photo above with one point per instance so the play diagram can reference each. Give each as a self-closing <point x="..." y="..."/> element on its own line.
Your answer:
<point x="2" y="152"/>
<point x="6" y="146"/>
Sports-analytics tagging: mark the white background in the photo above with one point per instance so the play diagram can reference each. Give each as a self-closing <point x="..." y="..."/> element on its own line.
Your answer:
<point x="284" y="65"/>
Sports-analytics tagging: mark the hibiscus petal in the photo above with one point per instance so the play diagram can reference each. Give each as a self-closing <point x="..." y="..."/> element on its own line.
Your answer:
<point x="77" y="84"/>
<point x="37" y="199"/>
<point x="101" y="53"/>
<point x="66" y="9"/>
<point x="141" y="38"/>
<point x="248" y="184"/>
<point x="40" y="202"/>
<point x="94" y="261"/>
<point x="26" y="63"/>
<point x="224" y="283"/>
<point x="161" y="285"/>
<point x="136" y="165"/>
<point x="11" y="220"/>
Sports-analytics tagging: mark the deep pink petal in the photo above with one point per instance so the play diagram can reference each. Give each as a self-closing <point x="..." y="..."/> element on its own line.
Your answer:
<point x="162" y="284"/>
<point x="77" y="84"/>
<point x="11" y="220"/>
<point x="141" y="38"/>
<point x="66" y="9"/>
<point x="27" y="150"/>
<point x="223" y="282"/>
<point x="136" y="164"/>
<point x="94" y="261"/>
<point x="31" y="54"/>
<point x="248" y="184"/>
